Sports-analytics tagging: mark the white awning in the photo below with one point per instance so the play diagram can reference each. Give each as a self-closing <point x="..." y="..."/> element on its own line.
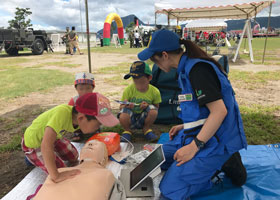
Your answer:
<point x="207" y="24"/>
<point x="208" y="9"/>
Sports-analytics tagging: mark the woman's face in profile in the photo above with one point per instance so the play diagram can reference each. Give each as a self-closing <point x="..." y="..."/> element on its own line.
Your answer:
<point x="162" y="62"/>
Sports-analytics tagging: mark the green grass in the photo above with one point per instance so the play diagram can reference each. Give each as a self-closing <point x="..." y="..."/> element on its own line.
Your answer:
<point x="18" y="82"/>
<point x="260" y="124"/>
<point x="112" y="49"/>
<point x="117" y="80"/>
<point x="12" y="63"/>
<point x="120" y="68"/>
<point x="272" y="49"/>
<point x="38" y="66"/>
<point x="108" y="94"/>
<point x="116" y="129"/>
<point x="14" y="144"/>
<point x="251" y="80"/>
<point x="62" y="64"/>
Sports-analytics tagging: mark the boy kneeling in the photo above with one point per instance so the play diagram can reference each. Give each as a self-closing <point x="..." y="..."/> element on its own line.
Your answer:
<point x="43" y="142"/>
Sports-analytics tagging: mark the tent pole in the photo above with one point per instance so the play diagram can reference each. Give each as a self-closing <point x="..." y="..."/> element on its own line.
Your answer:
<point x="168" y="19"/>
<point x="88" y="44"/>
<point x="249" y="35"/>
<point x="268" y="24"/>
<point x="240" y="41"/>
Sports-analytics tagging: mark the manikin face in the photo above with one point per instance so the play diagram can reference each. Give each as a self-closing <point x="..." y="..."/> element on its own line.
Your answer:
<point x="96" y="151"/>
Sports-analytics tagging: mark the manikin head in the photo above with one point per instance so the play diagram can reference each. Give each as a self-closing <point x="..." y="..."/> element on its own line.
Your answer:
<point x="95" y="151"/>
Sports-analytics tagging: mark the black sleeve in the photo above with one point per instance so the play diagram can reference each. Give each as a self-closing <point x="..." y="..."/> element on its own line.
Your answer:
<point x="205" y="83"/>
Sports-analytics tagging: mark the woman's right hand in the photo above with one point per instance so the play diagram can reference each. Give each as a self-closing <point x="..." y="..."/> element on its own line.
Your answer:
<point x="174" y="130"/>
<point x="62" y="176"/>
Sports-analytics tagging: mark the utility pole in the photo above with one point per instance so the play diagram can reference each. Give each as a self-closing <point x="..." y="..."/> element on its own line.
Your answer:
<point x="88" y="43"/>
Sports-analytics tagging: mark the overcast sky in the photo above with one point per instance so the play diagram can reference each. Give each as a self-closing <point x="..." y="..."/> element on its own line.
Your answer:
<point x="57" y="14"/>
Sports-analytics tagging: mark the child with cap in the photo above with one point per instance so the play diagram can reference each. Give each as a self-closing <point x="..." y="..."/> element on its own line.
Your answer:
<point x="43" y="142"/>
<point x="84" y="83"/>
<point x="144" y="100"/>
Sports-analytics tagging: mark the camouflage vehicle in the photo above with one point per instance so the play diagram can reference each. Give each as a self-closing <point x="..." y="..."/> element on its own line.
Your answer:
<point x="14" y="40"/>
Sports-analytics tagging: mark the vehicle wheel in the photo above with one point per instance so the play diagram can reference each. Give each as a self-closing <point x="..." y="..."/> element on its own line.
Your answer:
<point x="38" y="47"/>
<point x="12" y="51"/>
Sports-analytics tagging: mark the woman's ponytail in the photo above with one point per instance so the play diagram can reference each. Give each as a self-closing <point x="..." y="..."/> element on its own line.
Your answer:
<point x="194" y="51"/>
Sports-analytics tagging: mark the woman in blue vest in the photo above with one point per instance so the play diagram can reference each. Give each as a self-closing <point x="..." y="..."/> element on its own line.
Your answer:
<point x="212" y="133"/>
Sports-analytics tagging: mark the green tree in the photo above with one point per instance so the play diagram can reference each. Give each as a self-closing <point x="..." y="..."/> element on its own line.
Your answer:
<point x="129" y="27"/>
<point x="20" y="20"/>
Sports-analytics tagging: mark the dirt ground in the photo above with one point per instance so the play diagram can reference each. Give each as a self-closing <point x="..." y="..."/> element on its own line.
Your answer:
<point x="19" y="112"/>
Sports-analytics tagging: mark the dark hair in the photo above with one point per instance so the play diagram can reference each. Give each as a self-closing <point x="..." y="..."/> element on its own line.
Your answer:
<point x="73" y="28"/>
<point x="89" y="117"/>
<point x="192" y="51"/>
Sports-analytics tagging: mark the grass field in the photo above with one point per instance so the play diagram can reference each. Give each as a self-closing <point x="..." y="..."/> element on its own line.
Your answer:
<point x="18" y="82"/>
<point x="260" y="123"/>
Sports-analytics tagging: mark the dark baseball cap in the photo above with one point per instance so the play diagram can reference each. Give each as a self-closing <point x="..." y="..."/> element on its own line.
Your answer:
<point x="138" y="69"/>
<point x="162" y="40"/>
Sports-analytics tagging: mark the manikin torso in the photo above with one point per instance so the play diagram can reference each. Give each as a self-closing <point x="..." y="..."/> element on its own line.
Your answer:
<point x="95" y="182"/>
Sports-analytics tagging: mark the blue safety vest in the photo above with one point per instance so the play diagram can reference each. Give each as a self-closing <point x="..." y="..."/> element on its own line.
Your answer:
<point x="230" y="137"/>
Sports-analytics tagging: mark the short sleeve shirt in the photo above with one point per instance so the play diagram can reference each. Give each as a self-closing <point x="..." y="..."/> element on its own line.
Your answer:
<point x="205" y="83"/>
<point x="151" y="96"/>
<point x="58" y="118"/>
<point x="72" y="35"/>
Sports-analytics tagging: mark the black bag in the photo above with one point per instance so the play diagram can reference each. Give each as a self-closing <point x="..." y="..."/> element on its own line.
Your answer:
<point x="167" y="83"/>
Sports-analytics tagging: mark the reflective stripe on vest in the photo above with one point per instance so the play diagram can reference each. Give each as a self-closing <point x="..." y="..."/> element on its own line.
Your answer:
<point x="194" y="124"/>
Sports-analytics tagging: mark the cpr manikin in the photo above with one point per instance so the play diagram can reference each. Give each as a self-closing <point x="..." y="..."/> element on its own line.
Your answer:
<point x="95" y="182"/>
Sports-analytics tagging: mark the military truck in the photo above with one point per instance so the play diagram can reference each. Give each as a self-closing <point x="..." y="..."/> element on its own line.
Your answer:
<point x="15" y="40"/>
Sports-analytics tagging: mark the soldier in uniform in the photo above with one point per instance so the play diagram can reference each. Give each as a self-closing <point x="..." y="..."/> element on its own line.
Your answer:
<point x="131" y="39"/>
<point x="73" y="41"/>
<point x="66" y="41"/>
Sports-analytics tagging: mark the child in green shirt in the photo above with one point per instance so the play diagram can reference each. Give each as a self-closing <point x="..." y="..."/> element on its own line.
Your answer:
<point x="43" y="142"/>
<point x="142" y="109"/>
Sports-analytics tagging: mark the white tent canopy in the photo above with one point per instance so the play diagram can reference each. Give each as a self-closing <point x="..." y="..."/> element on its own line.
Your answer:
<point x="207" y="24"/>
<point x="219" y="9"/>
<point x="207" y="9"/>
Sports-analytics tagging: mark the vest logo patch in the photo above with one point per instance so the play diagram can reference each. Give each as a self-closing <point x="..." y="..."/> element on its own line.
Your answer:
<point x="185" y="97"/>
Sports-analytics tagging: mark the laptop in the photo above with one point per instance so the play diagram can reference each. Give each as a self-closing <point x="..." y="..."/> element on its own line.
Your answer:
<point x="137" y="182"/>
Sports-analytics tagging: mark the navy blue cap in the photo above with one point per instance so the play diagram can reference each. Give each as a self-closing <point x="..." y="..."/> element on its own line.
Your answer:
<point x="162" y="40"/>
<point x="138" y="69"/>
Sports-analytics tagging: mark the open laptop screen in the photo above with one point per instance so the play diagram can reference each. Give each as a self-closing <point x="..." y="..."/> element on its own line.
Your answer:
<point x="146" y="167"/>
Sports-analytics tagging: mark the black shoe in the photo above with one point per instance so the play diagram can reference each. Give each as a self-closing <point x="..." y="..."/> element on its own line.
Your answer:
<point x="235" y="170"/>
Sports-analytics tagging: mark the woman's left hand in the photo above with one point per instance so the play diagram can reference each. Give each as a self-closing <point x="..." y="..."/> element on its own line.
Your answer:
<point x="185" y="153"/>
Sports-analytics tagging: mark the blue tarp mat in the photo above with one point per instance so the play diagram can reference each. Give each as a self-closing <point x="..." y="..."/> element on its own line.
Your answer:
<point x="263" y="182"/>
